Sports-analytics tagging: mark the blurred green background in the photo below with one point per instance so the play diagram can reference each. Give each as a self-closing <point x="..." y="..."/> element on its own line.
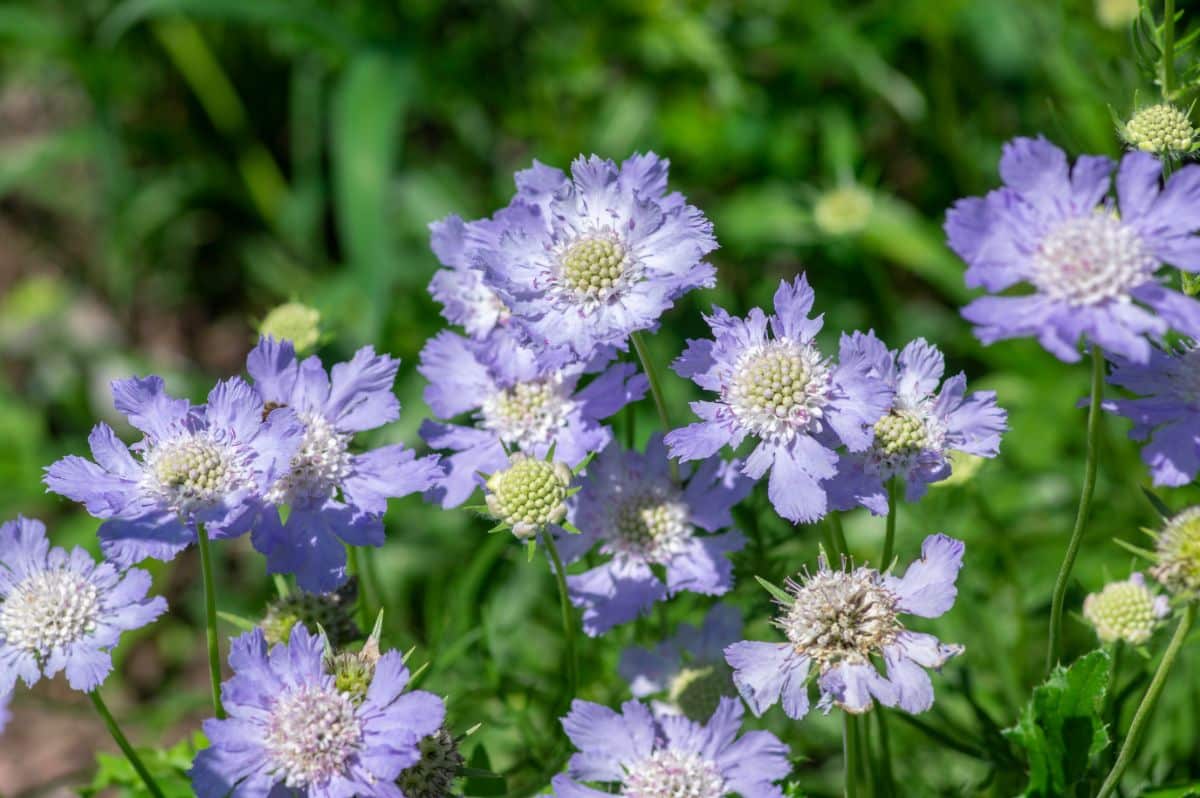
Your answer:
<point x="172" y="169"/>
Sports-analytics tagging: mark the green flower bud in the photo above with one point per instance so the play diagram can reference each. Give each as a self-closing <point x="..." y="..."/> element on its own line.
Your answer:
<point x="843" y="210"/>
<point x="330" y="611"/>
<point x="1125" y="611"/>
<point x="529" y="494"/>
<point x="697" y="691"/>
<point x="295" y="322"/>
<point x="433" y="776"/>
<point x="1178" y="550"/>
<point x="1161" y="128"/>
<point x="1116" y="13"/>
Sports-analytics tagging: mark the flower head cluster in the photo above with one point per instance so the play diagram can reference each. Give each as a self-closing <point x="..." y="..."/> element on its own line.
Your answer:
<point x="61" y="611"/>
<point x="669" y="757"/>
<point x="291" y="731"/>
<point x="294" y="322"/>
<point x="517" y="401"/>
<point x="528" y="495"/>
<point x="1177" y="550"/>
<point x="688" y="670"/>
<point x="1160" y="129"/>
<point x="781" y="390"/>
<point x="208" y="465"/>
<point x="1092" y="265"/>
<point x="839" y="622"/>
<point x="924" y="424"/>
<point x="332" y="494"/>
<point x="1168" y="412"/>
<point x="583" y="261"/>
<point x="629" y="505"/>
<point x="1126" y="611"/>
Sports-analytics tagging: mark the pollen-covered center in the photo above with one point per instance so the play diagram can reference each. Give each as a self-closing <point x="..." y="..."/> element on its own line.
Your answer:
<point x="779" y="388"/>
<point x="840" y="616"/>
<point x="311" y="736"/>
<point x="698" y="690"/>
<point x="48" y="611"/>
<point x="527" y="414"/>
<point x="1122" y="611"/>
<point x="318" y="467"/>
<point x="596" y="266"/>
<point x="674" y="774"/>
<point x="193" y="471"/>
<point x="650" y="521"/>
<point x="1090" y="259"/>
<point x="529" y="494"/>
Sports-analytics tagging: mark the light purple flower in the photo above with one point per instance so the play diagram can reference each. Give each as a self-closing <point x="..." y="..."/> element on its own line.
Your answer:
<point x="630" y="506"/>
<point x="517" y="401"/>
<point x="290" y="731"/>
<point x="1168" y="412"/>
<point x="208" y="465"/>
<point x="781" y="390"/>
<point x="61" y="611"/>
<point x="332" y="495"/>
<point x="466" y="300"/>
<point x="672" y="756"/>
<point x="912" y="442"/>
<point x="584" y="261"/>
<point x="837" y="621"/>
<point x="1091" y="268"/>
<point x="687" y="670"/>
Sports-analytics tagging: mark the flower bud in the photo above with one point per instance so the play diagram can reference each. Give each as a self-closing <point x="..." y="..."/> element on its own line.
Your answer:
<point x="1127" y="611"/>
<point x="433" y="776"/>
<point x="1160" y="128"/>
<point x="1116" y="13"/>
<point x="843" y="210"/>
<point x="295" y="322"/>
<point x="529" y="494"/>
<point x="698" y="691"/>
<point x="329" y="611"/>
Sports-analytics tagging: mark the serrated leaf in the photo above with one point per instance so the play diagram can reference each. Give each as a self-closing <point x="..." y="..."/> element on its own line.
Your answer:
<point x="1061" y="729"/>
<point x="777" y="592"/>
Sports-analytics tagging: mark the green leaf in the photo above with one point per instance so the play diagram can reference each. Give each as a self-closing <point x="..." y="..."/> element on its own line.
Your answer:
<point x="1158" y="504"/>
<point x="779" y="593"/>
<point x="1061" y="728"/>
<point x="240" y="622"/>
<point x="168" y="767"/>
<point x="475" y="785"/>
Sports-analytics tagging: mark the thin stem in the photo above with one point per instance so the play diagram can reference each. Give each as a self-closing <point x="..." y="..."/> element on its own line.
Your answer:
<point x="1144" y="710"/>
<point x="1168" y="40"/>
<point x="839" y="534"/>
<point x="568" y="617"/>
<point x="123" y="744"/>
<point x="1081" y="517"/>
<point x="660" y="405"/>
<point x="850" y="753"/>
<point x="888" y="779"/>
<point x="362" y="608"/>
<point x="889" y="537"/>
<point x="866" y="761"/>
<point x="210" y="613"/>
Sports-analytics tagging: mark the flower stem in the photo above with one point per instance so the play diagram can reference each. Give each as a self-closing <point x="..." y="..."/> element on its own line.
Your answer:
<point x="1144" y="710"/>
<point x="887" y="778"/>
<point x="839" y="535"/>
<point x="850" y="753"/>
<point x="210" y="613"/>
<point x="361" y="606"/>
<point x="568" y="619"/>
<point x="1081" y="517"/>
<point x="660" y="405"/>
<point x="1168" y="48"/>
<point x="889" y="536"/>
<point x="124" y="745"/>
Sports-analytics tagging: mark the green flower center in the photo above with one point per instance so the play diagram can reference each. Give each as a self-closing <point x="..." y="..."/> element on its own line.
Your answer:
<point x="1178" y="549"/>
<point x="1160" y="128"/>
<point x="192" y="472"/>
<point x="778" y="388"/>
<point x="529" y="494"/>
<point x="900" y="433"/>
<point x="594" y="266"/>
<point x="1122" y="611"/>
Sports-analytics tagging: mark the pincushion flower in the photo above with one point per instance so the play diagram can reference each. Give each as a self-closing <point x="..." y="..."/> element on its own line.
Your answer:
<point x="208" y="465"/>
<point x="1092" y="264"/>
<point x="516" y="401"/>
<point x="1125" y="611"/>
<point x="290" y="731"/>
<point x="332" y="495"/>
<point x="839" y="622"/>
<point x="585" y="260"/>
<point x="1167" y="412"/>
<point x="688" y="670"/>
<point x="62" y="611"/>
<point x="629" y="505"/>
<point x="781" y="390"/>
<point x="915" y="438"/>
<point x="460" y="288"/>
<point x="647" y="758"/>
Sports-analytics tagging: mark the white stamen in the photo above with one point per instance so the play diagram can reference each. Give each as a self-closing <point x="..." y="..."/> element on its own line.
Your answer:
<point x="1091" y="259"/>
<point x="673" y="774"/>
<point x="311" y="736"/>
<point x="528" y="414"/>
<point x="840" y="616"/>
<point x="194" y="471"/>
<point x="318" y="467"/>
<point x="48" y="611"/>
<point x="779" y="389"/>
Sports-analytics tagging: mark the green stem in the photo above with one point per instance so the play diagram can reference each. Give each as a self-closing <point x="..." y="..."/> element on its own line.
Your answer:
<point x="362" y="606"/>
<point x="568" y="618"/>
<point x="210" y="614"/>
<point x="850" y="753"/>
<point x="839" y="535"/>
<point x="660" y="405"/>
<point x="1081" y="517"/>
<point x="889" y="537"/>
<point x="1168" y="40"/>
<point x="888" y="779"/>
<point x="1144" y="710"/>
<point x="866" y="762"/>
<point x="124" y="745"/>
